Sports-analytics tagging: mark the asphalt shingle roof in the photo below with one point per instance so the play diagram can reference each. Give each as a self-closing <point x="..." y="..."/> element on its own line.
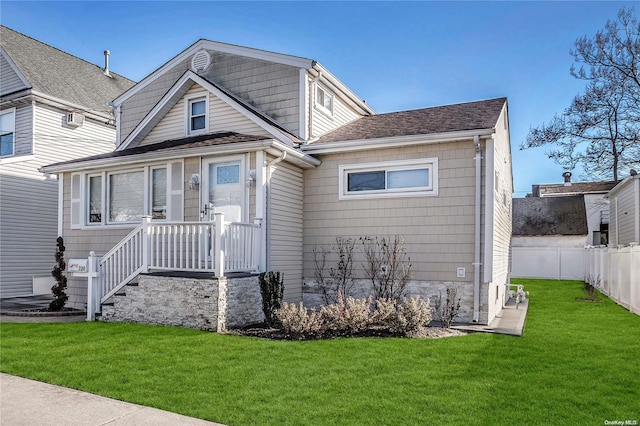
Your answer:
<point x="61" y="75"/>
<point x="537" y="216"/>
<point x="575" y="188"/>
<point x="441" y="119"/>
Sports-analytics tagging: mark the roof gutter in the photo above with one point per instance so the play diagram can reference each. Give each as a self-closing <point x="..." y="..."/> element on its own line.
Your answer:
<point x="294" y="156"/>
<point x="367" y="144"/>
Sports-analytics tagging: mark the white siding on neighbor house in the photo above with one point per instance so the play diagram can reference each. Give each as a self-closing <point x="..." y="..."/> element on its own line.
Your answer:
<point x="29" y="199"/>
<point x="285" y="233"/>
<point x="222" y="118"/>
<point x="624" y="203"/>
<point x="10" y="81"/>
<point x="321" y="122"/>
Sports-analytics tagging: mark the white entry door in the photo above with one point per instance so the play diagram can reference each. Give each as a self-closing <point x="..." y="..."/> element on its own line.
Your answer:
<point x="224" y="189"/>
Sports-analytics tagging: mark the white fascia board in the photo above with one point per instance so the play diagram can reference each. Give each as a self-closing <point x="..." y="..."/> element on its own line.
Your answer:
<point x="232" y="148"/>
<point x="355" y="101"/>
<point x="394" y="142"/>
<point x="190" y="75"/>
<point x="65" y="105"/>
<point x="622" y="184"/>
<point x="280" y="58"/>
<point x="15" y="68"/>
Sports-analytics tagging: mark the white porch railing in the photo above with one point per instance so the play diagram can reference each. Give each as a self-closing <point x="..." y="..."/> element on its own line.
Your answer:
<point x="215" y="247"/>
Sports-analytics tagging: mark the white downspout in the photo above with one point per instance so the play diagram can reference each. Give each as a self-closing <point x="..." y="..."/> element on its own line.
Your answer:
<point x="478" y="217"/>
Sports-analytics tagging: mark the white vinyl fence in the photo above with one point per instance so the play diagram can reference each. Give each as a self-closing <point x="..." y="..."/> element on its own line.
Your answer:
<point x="556" y="263"/>
<point x="616" y="273"/>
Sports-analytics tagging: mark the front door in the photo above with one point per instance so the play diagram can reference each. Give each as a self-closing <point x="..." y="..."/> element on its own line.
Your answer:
<point x="224" y="189"/>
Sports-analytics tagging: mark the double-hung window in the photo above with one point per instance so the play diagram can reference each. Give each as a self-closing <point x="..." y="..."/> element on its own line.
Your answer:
<point x="158" y="193"/>
<point x="402" y="178"/>
<point x="7" y="132"/>
<point x="197" y="114"/>
<point x="324" y="100"/>
<point x="94" y="209"/>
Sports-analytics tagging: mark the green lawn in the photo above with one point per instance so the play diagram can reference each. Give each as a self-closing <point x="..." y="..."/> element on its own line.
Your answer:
<point x="577" y="363"/>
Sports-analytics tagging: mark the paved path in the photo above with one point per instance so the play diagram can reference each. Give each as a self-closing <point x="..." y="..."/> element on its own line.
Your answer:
<point x="509" y="321"/>
<point x="25" y="402"/>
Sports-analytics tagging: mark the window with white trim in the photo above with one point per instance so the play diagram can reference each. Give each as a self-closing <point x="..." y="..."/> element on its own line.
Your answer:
<point x="324" y="100"/>
<point x="403" y="178"/>
<point x="122" y="197"/>
<point x="197" y="114"/>
<point x="7" y="132"/>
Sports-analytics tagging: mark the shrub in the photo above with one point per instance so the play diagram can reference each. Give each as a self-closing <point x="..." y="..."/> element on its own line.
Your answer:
<point x="387" y="266"/>
<point x="272" y="290"/>
<point x="340" y="278"/>
<point x="350" y="317"/>
<point x="298" y="322"/>
<point x="59" y="294"/>
<point x="406" y="318"/>
<point x="447" y="310"/>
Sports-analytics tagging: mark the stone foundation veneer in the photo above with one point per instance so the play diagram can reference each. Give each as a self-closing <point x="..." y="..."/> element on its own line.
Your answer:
<point x="213" y="304"/>
<point x="312" y="297"/>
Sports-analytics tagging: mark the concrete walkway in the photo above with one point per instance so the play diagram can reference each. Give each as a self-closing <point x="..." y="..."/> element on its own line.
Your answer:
<point x="509" y="321"/>
<point x="25" y="402"/>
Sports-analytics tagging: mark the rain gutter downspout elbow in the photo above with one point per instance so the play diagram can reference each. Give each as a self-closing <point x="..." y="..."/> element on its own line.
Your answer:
<point x="478" y="217"/>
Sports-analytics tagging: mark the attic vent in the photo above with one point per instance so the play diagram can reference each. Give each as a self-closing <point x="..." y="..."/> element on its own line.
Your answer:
<point x="74" y="119"/>
<point x="200" y="61"/>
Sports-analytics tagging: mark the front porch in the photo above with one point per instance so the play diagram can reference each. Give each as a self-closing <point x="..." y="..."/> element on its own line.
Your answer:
<point x="214" y="249"/>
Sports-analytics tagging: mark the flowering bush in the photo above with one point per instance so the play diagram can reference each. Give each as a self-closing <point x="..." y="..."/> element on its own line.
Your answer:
<point x="350" y="317"/>
<point x="298" y="322"/>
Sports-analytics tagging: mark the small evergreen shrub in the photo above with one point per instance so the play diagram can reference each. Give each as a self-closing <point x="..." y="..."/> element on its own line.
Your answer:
<point x="58" y="289"/>
<point x="272" y="290"/>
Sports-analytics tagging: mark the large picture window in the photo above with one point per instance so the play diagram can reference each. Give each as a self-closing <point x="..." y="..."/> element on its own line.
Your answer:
<point x="126" y="196"/>
<point x="389" y="179"/>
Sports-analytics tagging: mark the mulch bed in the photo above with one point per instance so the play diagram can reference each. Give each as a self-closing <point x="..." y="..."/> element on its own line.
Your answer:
<point x="264" y="332"/>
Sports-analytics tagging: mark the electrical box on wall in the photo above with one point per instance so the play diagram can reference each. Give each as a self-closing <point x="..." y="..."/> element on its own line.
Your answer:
<point x="461" y="272"/>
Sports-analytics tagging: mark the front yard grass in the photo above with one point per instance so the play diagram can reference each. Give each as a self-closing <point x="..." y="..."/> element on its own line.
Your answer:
<point x="577" y="363"/>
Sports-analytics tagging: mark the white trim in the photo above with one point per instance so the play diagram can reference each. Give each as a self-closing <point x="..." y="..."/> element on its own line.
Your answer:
<point x="33" y="127"/>
<point x="351" y="98"/>
<point x="393" y="142"/>
<point x="429" y="163"/>
<point x="15" y="69"/>
<point x="190" y="75"/>
<point x="86" y="199"/>
<point x="204" y="183"/>
<point x="325" y="93"/>
<point x="76" y="222"/>
<point x="279" y="58"/>
<point x="188" y="100"/>
<point x="17" y="159"/>
<point x="118" y="126"/>
<point x="302" y="107"/>
<point x="60" y="203"/>
<point x="13" y="132"/>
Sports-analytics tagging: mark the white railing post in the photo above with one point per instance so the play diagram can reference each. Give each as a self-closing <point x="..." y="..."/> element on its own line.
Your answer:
<point x="93" y="287"/>
<point x="218" y="244"/>
<point x="146" y="244"/>
<point x="257" y="245"/>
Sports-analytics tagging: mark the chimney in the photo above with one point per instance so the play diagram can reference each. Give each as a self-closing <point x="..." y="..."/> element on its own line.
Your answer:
<point x="567" y="178"/>
<point x="106" y="63"/>
<point x="634" y="172"/>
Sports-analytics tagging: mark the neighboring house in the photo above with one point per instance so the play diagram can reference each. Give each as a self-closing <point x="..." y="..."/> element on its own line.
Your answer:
<point x="549" y="236"/>
<point x="624" y="204"/>
<point x="53" y="107"/>
<point x="595" y="199"/>
<point x="232" y="160"/>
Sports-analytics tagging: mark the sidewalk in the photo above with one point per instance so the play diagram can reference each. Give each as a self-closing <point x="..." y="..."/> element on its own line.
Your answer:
<point x="25" y="402"/>
<point x="510" y="321"/>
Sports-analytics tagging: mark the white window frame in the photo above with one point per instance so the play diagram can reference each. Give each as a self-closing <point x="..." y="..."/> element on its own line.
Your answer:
<point x="173" y="189"/>
<point x="188" y="100"/>
<point x="13" y="132"/>
<point x="389" y="166"/>
<point x="167" y="192"/>
<point x="325" y="93"/>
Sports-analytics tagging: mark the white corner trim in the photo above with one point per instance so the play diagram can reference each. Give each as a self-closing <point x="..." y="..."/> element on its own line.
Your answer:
<point x="302" y="108"/>
<point x="60" y="203"/>
<point x="489" y="202"/>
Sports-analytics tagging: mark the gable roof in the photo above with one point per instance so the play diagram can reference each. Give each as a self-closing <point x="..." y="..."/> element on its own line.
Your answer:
<point x="480" y="115"/>
<point x="181" y="86"/>
<point x="536" y="216"/>
<point x="61" y="76"/>
<point x="560" y="189"/>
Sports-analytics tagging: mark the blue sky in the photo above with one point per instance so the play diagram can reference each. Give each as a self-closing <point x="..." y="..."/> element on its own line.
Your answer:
<point x="396" y="55"/>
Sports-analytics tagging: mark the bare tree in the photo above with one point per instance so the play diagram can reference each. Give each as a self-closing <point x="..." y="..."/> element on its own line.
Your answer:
<point x="601" y="128"/>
